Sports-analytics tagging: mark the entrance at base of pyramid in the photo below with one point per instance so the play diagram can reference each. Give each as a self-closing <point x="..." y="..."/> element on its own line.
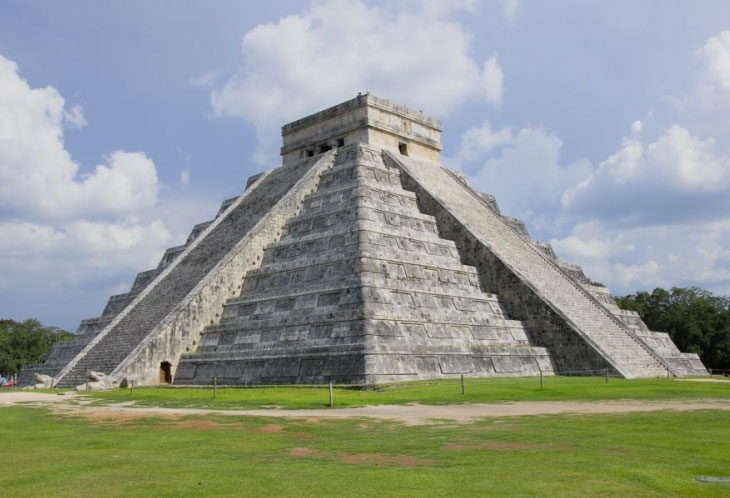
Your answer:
<point x="165" y="373"/>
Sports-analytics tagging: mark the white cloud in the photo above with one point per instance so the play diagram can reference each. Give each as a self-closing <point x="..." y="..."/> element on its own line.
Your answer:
<point x="58" y="225"/>
<point x="510" y="9"/>
<point x="492" y="78"/>
<point x="38" y="175"/>
<point x="651" y="181"/>
<point x="205" y="79"/>
<point x="80" y="248"/>
<point x="477" y="143"/>
<point x="653" y="213"/>
<point x="715" y="54"/>
<point x="522" y="170"/>
<point x="75" y="117"/>
<point x="185" y="178"/>
<point x="305" y="62"/>
<point x="643" y="257"/>
<point x="636" y="128"/>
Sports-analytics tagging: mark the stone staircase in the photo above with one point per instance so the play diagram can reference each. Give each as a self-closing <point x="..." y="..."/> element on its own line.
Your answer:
<point x="180" y="270"/>
<point x="586" y="315"/>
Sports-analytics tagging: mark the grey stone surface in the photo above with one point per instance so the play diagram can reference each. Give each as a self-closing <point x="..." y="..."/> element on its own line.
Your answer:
<point x="361" y="260"/>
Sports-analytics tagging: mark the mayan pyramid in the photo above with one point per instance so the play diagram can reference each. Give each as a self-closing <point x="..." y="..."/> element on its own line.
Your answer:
<point x="361" y="260"/>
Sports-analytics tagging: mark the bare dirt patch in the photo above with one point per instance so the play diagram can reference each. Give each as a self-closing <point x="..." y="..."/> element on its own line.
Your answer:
<point x="304" y="452"/>
<point x="200" y="424"/>
<point x="270" y="429"/>
<point x="412" y="414"/>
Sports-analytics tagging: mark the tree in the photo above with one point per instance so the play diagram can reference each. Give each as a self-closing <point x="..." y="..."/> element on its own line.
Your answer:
<point x="26" y="342"/>
<point x="696" y="320"/>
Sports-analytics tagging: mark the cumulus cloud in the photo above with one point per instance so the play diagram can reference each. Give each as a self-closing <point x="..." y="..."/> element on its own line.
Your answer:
<point x="652" y="182"/>
<point x="38" y="175"/>
<point x="58" y="224"/>
<point x="645" y="256"/>
<point x="652" y="213"/>
<point x="523" y="169"/>
<point x="715" y="59"/>
<point x="479" y="142"/>
<point x="304" y="62"/>
<point x="664" y="195"/>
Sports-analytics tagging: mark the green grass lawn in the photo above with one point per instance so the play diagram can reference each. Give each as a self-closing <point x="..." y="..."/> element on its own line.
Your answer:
<point x="638" y="454"/>
<point x="427" y="392"/>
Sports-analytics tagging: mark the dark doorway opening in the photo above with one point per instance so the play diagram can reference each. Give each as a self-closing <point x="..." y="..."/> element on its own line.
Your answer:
<point x="403" y="148"/>
<point x="165" y="373"/>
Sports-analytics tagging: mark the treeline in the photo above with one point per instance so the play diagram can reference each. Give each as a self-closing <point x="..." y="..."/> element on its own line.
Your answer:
<point x="26" y="342"/>
<point x="697" y="320"/>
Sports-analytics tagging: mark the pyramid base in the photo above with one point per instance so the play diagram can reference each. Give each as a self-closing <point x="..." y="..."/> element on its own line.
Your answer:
<point x="262" y="368"/>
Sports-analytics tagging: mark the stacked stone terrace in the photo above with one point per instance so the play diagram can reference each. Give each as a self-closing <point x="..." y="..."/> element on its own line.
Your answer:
<point x="362" y="260"/>
<point x="361" y="289"/>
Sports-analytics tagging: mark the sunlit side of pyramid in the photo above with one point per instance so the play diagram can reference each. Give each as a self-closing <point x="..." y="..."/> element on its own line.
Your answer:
<point x="361" y="260"/>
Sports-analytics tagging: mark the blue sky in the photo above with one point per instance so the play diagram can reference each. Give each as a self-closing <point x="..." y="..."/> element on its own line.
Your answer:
<point x="602" y="124"/>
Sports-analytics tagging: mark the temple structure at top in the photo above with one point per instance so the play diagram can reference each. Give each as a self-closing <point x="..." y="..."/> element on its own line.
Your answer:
<point x="361" y="260"/>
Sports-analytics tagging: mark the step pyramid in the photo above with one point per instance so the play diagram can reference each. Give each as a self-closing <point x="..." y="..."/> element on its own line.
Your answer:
<point x="361" y="289"/>
<point x="361" y="260"/>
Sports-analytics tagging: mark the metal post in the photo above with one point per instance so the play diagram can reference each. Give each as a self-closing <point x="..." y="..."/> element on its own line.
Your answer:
<point x="215" y="386"/>
<point x="463" y="387"/>
<point x="607" y="376"/>
<point x="332" y="398"/>
<point x="131" y="387"/>
<point x="541" y="380"/>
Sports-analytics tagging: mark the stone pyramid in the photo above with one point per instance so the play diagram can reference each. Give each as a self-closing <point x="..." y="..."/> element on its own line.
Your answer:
<point x="361" y="260"/>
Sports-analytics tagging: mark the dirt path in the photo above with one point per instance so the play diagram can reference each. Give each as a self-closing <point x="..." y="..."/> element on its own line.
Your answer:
<point x="413" y="414"/>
